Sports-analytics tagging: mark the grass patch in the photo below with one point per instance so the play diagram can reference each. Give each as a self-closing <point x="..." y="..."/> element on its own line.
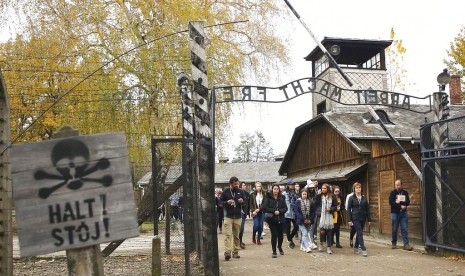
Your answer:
<point x="146" y="227"/>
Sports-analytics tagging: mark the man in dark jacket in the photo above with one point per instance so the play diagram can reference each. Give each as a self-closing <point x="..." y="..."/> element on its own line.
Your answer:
<point x="399" y="200"/>
<point x="232" y="199"/>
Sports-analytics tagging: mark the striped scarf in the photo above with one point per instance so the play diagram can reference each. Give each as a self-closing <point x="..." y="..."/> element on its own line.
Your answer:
<point x="305" y="207"/>
<point x="326" y="219"/>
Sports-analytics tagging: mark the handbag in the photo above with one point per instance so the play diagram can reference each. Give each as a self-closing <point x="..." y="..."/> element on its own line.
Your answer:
<point x="268" y="217"/>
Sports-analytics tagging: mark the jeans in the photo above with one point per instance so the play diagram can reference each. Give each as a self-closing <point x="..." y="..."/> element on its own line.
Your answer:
<point x="359" y="225"/>
<point x="258" y="225"/>
<point x="241" y="232"/>
<point x="402" y="219"/>
<point x="305" y="229"/>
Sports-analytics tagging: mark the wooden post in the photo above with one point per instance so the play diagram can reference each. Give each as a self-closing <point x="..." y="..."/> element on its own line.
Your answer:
<point x="6" y="202"/>
<point x="205" y="159"/>
<point x="156" y="256"/>
<point x="85" y="260"/>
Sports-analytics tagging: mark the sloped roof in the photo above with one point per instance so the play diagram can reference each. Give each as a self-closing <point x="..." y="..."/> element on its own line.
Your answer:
<point x="352" y="123"/>
<point x="266" y="172"/>
<point x="337" y="174"/>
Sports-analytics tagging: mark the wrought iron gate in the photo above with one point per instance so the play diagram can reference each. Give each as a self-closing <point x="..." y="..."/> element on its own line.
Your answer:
<point x="183" y="226"/>
<point x="443" y="170"/>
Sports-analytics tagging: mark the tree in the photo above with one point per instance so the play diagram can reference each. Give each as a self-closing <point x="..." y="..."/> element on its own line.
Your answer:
<point x="253" y="148"/>
<point x="111" y="65"/>
<point x="395" y="67"/>
<point x="456" y="53"/>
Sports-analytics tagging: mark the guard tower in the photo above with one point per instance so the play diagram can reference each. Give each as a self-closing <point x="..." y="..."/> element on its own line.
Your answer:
<point x="364" y="62"/>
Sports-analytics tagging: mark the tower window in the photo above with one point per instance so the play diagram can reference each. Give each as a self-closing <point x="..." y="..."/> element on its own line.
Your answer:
<point x="321" y="107"/>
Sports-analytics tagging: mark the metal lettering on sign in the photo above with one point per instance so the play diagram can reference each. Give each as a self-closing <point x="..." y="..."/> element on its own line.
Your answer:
<point x="314" y="85"/>
<point x="72" y="192"/>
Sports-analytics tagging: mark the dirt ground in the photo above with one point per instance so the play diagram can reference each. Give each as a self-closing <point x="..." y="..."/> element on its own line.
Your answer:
<point x="256" y="260"/>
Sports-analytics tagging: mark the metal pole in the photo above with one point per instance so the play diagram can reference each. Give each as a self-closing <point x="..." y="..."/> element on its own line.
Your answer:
<point x="441" y="140"/>
<point x="6" y="192"/>
<point x="347" y="79"/>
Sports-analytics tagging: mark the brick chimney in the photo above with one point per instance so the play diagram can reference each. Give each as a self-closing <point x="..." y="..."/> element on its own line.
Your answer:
<point x="455" y="90"/>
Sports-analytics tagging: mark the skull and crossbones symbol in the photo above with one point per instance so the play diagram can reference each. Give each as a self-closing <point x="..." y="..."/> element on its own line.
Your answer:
<point x="70" y="158"/>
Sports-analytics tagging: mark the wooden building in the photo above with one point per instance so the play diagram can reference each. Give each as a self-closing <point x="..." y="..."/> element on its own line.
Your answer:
<point x="342" y="145"/>
<point x="345" y="146"/>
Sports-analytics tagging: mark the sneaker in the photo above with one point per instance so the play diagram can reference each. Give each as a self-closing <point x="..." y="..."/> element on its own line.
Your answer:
<point x="302" y="248"/>
<point x="281" y="252"/>
<point x="320" y="247"/>
<point x="355" y="250"/>
<point x="313" y="246"/>
<point x="394" y="246"/>
<point x="227" y="256"/>
<point x="364" y="253"/>
<point x="263" y="234"/>
<point x="329" y="250"/>
<point x="338" y="245"/>
<point x="236" y="256"/>
<point x="242" y="245"/>
<point x="351" y="243"/>
<point x="274" y="255"/>
<point x="291" y="245"/>
<point x="408" y="247"/>
<point x="308" y="250"/>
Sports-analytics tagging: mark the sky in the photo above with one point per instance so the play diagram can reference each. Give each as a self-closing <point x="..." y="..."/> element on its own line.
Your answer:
<point x="426" y="28"/>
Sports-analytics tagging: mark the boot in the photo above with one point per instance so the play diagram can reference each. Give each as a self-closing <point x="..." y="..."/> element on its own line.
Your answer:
<point x="259" y="242"/>
<point x="253" y="240"/>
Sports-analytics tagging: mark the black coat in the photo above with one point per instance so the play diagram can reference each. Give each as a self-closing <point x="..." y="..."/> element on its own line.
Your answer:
<point x="232" y="211"/>
<point x="358" y="210"/>
<point x="271" y="204"/>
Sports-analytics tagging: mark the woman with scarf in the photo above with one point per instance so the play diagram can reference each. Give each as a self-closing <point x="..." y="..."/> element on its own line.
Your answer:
<point x="304" y="217"/>
<point x="328" y="204"/>
<point x="276" y="206"/>
<point x="257" y="198"/>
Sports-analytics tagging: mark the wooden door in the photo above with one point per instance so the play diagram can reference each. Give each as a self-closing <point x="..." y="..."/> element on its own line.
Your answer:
<point x="386" y="185"/>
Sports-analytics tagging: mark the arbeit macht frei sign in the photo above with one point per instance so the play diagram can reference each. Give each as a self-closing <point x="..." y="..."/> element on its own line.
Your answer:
<point x="314" y="85"/>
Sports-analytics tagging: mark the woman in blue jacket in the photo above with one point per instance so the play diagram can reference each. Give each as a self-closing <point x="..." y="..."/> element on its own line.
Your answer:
<point x="304" y="217"/>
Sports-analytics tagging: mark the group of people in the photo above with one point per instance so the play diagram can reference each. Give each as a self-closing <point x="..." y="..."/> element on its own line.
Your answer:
<point x="175" y="208"/>
<point x="310" y="211"/>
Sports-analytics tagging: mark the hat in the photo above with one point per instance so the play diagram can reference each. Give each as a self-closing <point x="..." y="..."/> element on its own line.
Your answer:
<point x="311" y="184"/>
<point x="290" y="182"/>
